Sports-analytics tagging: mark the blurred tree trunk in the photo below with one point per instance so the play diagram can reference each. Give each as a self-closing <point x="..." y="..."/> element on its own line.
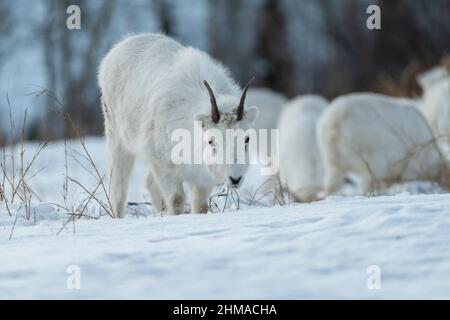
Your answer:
<point x="71" y="59"/>
<point x="51" y="125"/>
<point x="6" y="27"/>
<point x="400" y="37"/>
<point x="163" y="9"/>
<point x="404" y="45"/>
<point x="404" y="39"/>
<point x="84" y="94"/>
<point x="226" y="35"/>
<point x="273" y="51"/>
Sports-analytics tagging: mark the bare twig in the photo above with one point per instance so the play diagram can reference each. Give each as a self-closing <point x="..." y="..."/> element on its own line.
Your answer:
<point x="14" y="224"/>
<point x="66" y="180"/>
<point x="11" y="141"/>
<point x="66" y="116"/>
<point x="224" y="192"/>
<point x="92" y="163"/>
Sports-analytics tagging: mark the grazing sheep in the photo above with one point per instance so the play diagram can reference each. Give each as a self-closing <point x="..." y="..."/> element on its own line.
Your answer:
<point x="378" y="138"/>
<point x="151" y="86"/>
<point x="301" y="169"/>
<point x="436" y="99"/>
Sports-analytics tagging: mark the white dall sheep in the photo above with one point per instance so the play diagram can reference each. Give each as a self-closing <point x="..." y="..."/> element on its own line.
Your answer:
<point x="301" y="169"/>
<point x="436" y="99"/>
<point x="379" y="139"/>
<point x="151" y="86"/>
<point x="270" y="105"/>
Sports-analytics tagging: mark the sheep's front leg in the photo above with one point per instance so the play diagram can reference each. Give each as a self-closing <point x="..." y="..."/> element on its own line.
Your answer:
<point x="120" y="164"/>
<point x="199" y="199"/>
<point x="177" y="202"/>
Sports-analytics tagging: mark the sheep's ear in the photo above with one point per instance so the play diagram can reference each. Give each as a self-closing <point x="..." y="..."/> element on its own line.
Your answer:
<point x="203" y="119"/>
<point x="251" y="114"/>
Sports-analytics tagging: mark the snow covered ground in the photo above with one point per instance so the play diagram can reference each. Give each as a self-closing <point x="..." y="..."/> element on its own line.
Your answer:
<point x="318" y="250"/>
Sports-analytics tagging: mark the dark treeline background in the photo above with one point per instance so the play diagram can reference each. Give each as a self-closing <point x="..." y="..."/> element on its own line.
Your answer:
<point x="292" y="46"/>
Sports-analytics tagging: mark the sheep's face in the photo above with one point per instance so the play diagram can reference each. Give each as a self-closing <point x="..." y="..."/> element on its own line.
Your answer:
<point x="226" y="144"/>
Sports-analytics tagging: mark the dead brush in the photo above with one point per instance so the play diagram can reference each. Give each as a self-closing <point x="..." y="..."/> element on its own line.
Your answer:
<point x="269" y="193"/>
<point x="280" y="192"/>
<point x="403" y="163"/>
<point x="91" y="167"/>
<point x="79" y="212"/>
<point x="254" y="196"/>
<point x="224" y="193"/>
<point x="15" y="173"/>
<point x="413" y="151"/>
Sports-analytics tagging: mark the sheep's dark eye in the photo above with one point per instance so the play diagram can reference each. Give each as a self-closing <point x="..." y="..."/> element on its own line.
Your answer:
<point x="211" y="142"/>
<point x="247" y="139"/>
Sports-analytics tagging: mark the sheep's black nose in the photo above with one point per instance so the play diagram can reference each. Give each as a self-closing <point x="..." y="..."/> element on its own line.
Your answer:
<point x="235" y="181"/>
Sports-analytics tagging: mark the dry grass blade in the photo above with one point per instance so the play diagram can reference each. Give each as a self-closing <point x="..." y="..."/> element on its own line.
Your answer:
<point x="212" y="204"/>
<point x="7" y="205"/>
<point x="252" y="200"/>
<point x="8" y="179"/>
<point x="66" y="178"/>
<point x="11" y="142"/>
<point x="14" y="224"/>
<point x="237" y="200"/>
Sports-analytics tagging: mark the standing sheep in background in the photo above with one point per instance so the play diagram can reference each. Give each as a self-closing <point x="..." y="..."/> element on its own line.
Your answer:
<point x="380" y="139"/>
<point x="301" y="169"/>
<point x="152" y="85"/>
<point x="270" y="105"/>
<point x="436" y="99"/>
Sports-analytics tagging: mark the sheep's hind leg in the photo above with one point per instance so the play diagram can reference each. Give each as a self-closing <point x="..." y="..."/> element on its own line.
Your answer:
<point x="367" y="183"/>
<point x="334" y="180"/>
<point x="175" y="200"/>
<point x="171" y="188"/>
<point x="307" y="194"/>
<point x="120" y="164"/>
<point x="158" y="202"/>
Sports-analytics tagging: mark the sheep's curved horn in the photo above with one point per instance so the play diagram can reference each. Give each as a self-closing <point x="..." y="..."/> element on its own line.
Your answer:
<point x="214" y="109"/>
<point x="240" y="109"/>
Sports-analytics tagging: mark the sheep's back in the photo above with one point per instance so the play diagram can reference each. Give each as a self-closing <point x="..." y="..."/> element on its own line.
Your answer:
<point x="299" y="156"/>
<point x="389" y="136"/>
